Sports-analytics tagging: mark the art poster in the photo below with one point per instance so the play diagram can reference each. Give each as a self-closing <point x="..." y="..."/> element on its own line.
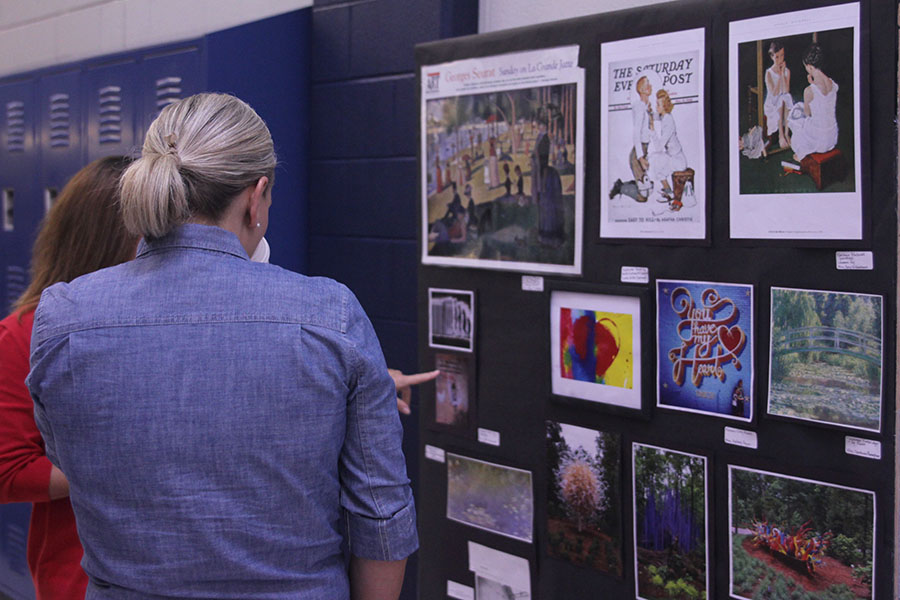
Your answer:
<point x="584" y="497"/>
<point x="454" y="390"/>
<point x="502" y="162"/>
<point x="799" y="538"/>
<point x="705" y="345"/>
<point x="670" y="524"/>
<point x="595" y="346"/>
<point x="451" y="319"/>
<point x="489" y="496"/>
<point x="653" y="149"/>
<point x="498" y="575"/>
<point x="826" y="357"/>
<point x="794" y="125"/>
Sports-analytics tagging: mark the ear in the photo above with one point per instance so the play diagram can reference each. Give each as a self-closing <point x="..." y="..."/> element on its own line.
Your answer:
<point x="257" y="193"/>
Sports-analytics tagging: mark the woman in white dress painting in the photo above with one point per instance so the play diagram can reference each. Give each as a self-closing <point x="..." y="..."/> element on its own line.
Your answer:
<point x="813" y="123"/>
<point x="664" y="153"/>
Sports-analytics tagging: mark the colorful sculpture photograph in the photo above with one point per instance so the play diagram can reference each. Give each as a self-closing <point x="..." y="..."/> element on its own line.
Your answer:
<point x="798" y="538"/>
<point x="670" y="524"/>
<point x="584" y="506"/>
<point x="800" y="549"/>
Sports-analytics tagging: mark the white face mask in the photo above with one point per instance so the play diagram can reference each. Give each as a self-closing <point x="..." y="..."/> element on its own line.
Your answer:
<point x="261" y="254"/>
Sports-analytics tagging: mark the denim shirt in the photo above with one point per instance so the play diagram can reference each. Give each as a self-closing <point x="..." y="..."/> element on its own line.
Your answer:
<point x="223" y="425"/>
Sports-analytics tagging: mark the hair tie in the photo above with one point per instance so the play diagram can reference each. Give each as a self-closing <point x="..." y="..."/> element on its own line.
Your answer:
<point x="170" y="140"/>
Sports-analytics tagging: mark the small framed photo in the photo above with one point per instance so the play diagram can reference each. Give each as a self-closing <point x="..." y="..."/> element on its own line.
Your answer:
<point x="826" y="356"/>
<point x="491" y="497"/>
<point x="705" y="346"/>
<point x="791" y="533"/>
<point x="596" y="345"/>
<point x="451" y="319"/>
<point x="584" y="497"/>
<point x="454" y="392"/>
<point x="671" y="523"/>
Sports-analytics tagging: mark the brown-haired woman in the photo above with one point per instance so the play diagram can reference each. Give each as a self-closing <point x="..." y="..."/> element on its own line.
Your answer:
<point x="83" y="232"/>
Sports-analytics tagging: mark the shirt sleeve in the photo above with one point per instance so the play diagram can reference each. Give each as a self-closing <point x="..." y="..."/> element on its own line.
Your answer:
<point x="24" y="467"/>
<point x="376" y="499"/>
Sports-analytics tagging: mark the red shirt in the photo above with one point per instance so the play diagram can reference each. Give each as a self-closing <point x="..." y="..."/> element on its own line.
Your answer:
<point x="54" y="552"/>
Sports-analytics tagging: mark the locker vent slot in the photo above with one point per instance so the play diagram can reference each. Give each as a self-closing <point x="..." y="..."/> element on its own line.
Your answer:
<point x="15" y="126"/>
<point x="110" y="114"/>
<point x="168" y="90"/>
<point x="60" y="120"/>
<point x="9" y="209"/>
<point x="16" y="281"/>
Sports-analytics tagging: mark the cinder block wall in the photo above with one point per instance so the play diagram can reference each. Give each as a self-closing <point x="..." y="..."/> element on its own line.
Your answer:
<point x="362" y="172"/>
<point x="40" y="33"/>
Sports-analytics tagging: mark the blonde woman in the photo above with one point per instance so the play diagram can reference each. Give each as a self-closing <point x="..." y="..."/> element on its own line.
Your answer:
<point x="665" y="152"/>
<point x="223" y="425"/>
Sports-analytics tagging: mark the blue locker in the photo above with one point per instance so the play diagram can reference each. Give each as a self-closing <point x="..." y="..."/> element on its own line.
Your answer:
<point x="20" y="214"/>
<point x="110" y="100"/>
<point x="167" y="75"/>
<point x="59" y="130"/>
<point x="273" y="77"/>
<point x="19" y="200"/>
<point x="15" y="581"/>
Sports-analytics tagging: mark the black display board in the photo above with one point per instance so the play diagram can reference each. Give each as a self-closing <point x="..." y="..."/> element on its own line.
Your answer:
<point x="512" y="336"/>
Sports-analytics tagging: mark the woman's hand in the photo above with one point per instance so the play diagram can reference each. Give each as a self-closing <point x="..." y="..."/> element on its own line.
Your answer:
<point x="403" y="383"/>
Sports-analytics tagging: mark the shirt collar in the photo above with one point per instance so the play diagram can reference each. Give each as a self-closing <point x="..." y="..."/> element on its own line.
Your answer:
<point x="193" y="235"/>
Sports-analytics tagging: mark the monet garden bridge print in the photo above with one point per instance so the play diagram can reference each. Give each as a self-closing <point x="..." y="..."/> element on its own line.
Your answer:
<point x="829" y="339"/>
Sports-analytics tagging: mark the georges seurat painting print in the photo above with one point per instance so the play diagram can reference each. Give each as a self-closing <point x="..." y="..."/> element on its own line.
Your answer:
<point x="584" y="506"/>
<point x="670" y="524"/>
<point x="800" y="539"/>
<point x="795" y="125"/>
<point x="825" y="357"/>
<point x="502" y="162"/>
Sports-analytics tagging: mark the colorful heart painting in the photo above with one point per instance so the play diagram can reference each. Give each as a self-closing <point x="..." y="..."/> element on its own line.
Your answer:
<point x="596" y="347"/>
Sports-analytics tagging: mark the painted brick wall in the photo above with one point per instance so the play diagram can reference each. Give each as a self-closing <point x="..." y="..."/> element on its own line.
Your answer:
<point x="362" y="200"/>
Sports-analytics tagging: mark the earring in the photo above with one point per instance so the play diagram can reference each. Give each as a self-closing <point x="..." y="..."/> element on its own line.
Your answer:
<point x="258" y="224"/>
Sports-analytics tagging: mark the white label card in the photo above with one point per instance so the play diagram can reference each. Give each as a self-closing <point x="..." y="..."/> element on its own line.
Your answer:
<point x="862" y="447"/>
<point x="434" y="453"/>
<point x="854" y="261"/>
<point x="741" y="437"/>
<point x="460" y="591"/>
<point x="532" y="283"/>
<point x="635" y="275"/>
<point x="488" y="436"/>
